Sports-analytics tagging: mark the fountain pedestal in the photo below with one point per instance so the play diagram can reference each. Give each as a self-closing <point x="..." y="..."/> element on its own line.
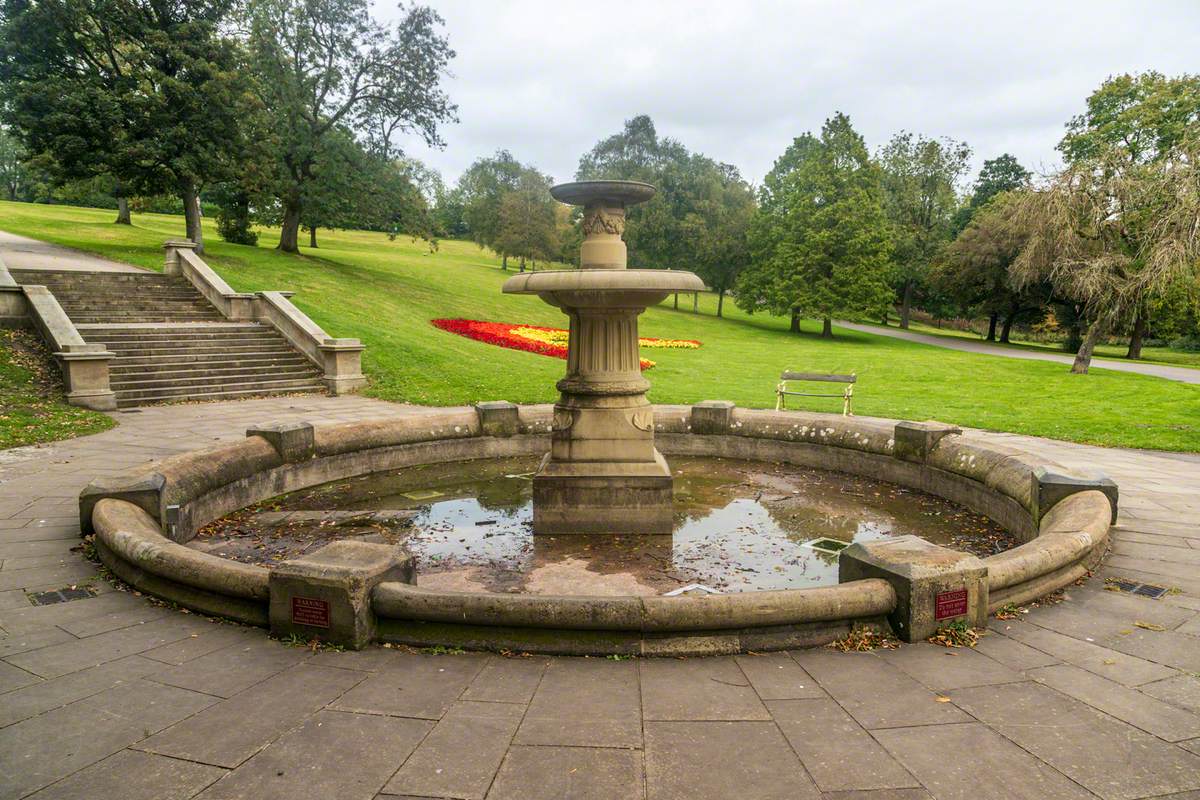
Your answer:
<point x="603" y="473"/>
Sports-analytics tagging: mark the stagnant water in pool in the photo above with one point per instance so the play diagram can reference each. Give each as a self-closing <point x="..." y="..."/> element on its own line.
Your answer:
<point x="739" y="526"/>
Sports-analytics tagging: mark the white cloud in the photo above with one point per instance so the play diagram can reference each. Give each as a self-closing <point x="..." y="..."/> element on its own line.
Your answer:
<point x="738" y="80"/>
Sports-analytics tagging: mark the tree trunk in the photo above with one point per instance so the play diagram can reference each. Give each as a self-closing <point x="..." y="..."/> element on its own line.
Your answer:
<point x="1139" y="333"/>
<point x="677" y="301"/>
<point x="1009" y="319"/>
<point x="123" y="211"/>
<point x="720" y="301"/>
<point x="795" y="321"/>
<point x="1083" y="359"/>
<point x="289" y="233"/>
<point x="906" y="305"/>
<point x="504" y="263"/>
<point x="991" y="337"/>
<point x="312" y="237"/>
<point x="191" y="215"/>
<point x="827" y="329"/>
<point x="522" y="263"/>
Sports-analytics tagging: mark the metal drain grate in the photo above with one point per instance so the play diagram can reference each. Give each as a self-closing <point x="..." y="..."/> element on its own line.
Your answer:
<point x="1133" y="587"/>
<point x="60" y="596"/>
<point x="827" y="545"/>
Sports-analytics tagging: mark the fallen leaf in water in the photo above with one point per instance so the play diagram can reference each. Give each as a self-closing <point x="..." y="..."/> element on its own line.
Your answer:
<point x="1150" y="626"/>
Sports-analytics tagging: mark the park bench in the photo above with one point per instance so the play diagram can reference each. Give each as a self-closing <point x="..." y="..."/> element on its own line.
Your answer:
<point x="783" y="391"/>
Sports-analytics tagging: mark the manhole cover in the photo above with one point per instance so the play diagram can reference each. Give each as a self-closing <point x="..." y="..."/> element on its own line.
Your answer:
<point x="60" y="596"/>
<point x="827" y="545"/>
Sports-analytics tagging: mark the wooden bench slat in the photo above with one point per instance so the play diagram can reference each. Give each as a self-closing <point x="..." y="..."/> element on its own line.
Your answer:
<point x="814" y="376"/>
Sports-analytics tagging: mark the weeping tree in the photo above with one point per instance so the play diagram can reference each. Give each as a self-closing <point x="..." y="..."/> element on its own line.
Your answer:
<point x="1110" y="232"/>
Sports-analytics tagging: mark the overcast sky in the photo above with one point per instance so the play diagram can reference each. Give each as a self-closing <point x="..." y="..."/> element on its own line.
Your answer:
<point x="737" y="80"/>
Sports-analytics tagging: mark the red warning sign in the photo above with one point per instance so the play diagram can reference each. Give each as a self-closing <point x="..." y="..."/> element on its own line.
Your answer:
<point x="310" y="611"/>
<point x="950" y="604"/>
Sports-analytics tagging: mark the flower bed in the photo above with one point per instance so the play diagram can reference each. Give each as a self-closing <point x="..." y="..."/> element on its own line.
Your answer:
<point x="536" y="339"/>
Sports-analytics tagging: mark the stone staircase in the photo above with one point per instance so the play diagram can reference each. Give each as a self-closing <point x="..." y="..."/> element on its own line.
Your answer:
<point x="170" y="343"/>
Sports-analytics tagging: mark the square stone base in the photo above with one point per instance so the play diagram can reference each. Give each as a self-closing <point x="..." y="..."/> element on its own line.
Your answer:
<point x="618" y="498"/>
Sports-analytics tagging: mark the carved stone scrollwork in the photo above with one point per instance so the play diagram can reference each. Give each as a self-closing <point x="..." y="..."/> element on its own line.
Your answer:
<point x="598" y="220"/>
<point x="563" y="420"/>
<point x="643" y="419"/>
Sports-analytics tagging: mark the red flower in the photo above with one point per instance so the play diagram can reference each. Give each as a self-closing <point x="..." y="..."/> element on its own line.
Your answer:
<point x="501" y="333"/>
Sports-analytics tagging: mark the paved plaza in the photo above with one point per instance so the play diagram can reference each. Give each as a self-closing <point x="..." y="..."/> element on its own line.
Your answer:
<point x="113" y="697"/>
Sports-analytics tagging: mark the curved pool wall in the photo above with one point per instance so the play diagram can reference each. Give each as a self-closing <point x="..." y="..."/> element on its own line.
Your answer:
<point x="143" y="520"/>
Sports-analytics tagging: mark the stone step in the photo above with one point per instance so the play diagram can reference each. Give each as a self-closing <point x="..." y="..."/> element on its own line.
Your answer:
<point x="206" y="337"/>
<point x="141" y="301"/>
<point x="258" y="357"/>
<point x="212" y="391"/>
<point x="120" y="369"/>
<point x="185" y="349"/>
<point x="200" y="397"/>
<point x="208" y="378"/>
<point x="72" y="298"/>
<point x="67" y="276"/>
<point x="183" y="327"/>
<point x="143" y="318"/>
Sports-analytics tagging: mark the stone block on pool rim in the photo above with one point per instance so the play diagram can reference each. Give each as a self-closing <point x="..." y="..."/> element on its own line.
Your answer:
<point x="327" y="594"/>
<point x="712" y="417"/>
<point x="143" y="490"/>
<point x="498" y="418"/>
<point x="934" y="585"/>
<point x="1049" y="488"/>
<point x="914" y="440"/>
<point x="292" y="440"/>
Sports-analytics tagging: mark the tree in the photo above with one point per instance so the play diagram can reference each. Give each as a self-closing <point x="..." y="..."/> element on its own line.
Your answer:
<point x="482" y="188"/>
<point x="820" y="239"/>
<point x="974" y="268"/>
<point x="144" y="91"/>
<point x="919" y="180"/>
<point x="1110" y="232"/>
<point x="325" y="66"/>
<point x="1001" y="174"/>
<point x="1147" y="116"/>
<point x="527" y="219"/>
<point x="718" y="229"/>
<point x="16" y="180"/>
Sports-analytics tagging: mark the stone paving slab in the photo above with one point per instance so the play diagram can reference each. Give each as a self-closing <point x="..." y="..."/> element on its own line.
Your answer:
<point x="952" y="760"/>
<point x="461" y="755"/>
<point x="578" y="773"/>
<point x="332" y="755"/>
<point x="133" y="775"/>
<point x="837" y="752"/>
<point x="126" y="699"/>
<point x="721" y="760"/>
<point x="1110" y="758"/>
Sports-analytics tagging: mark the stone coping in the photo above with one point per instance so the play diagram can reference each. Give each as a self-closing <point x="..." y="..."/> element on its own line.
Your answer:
<point x="143" y="520"/>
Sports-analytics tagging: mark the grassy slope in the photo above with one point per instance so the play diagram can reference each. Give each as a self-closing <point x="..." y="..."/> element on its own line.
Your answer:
<point x="32" y="408"/>
<point x="360" y="284"/>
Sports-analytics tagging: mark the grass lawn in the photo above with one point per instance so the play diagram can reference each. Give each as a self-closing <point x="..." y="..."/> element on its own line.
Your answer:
<point x="1150" y="355"/>
<point x="384" y="292"/>
<point x="32" y="408"/>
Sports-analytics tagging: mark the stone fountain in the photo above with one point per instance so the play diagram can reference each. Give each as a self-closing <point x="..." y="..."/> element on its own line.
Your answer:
<point x="603" y="474"/>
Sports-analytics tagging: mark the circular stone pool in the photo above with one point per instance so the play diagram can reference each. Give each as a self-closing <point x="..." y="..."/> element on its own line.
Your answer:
<point x="739" y="526"/>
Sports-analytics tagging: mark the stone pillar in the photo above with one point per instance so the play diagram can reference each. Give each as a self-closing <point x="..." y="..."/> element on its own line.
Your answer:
<point x="343" y="365"/>
<point x="603" y="248"/>
<point x="85" y="374"/>
<point x="935" y="586"/>
<point x="171" y="248"/>
<point x="327" y="594"/>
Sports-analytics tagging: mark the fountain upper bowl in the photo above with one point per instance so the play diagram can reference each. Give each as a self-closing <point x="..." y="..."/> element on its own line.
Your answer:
<point x="651" y="285"/>
<point x="586" y="193"/>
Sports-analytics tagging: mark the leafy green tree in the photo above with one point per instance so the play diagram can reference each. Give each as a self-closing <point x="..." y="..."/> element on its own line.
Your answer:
<point x="482" y="188"/>
<point x="16" y="179"/>
<point x="1001" y="174"/>
<point x="1146" y="116"/>
<point x="527" y="219"/>
<point x="973" y="270"/>
<point x="324" y="66"/>
<point x="717" y="230"/>
<point x="919" y="180"/>
<point x="145" y="91"/>
<point x="820" y="240"/>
